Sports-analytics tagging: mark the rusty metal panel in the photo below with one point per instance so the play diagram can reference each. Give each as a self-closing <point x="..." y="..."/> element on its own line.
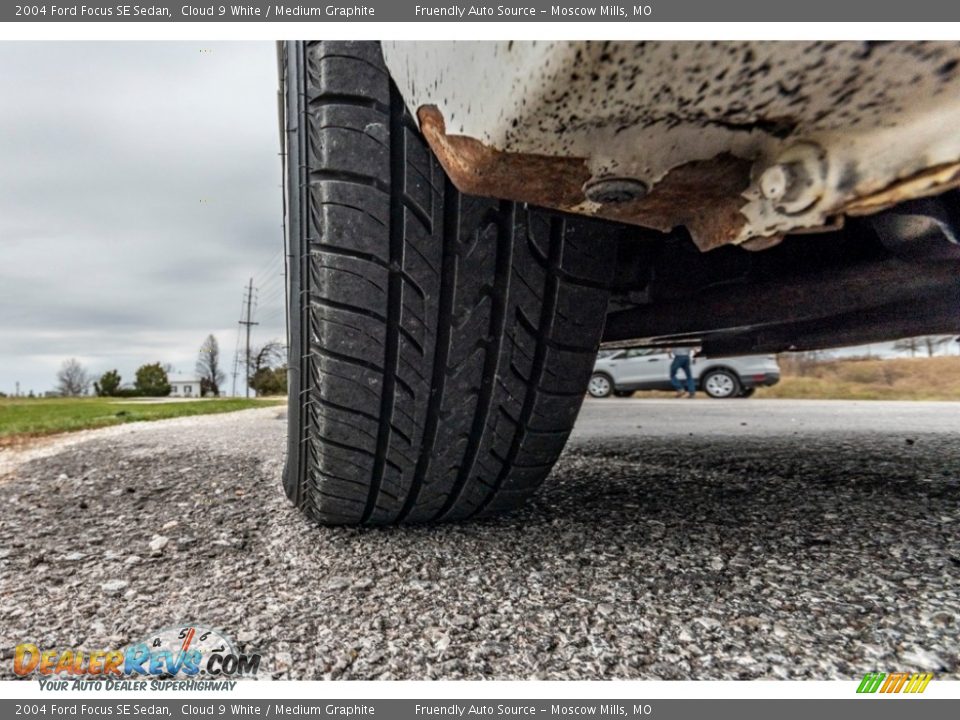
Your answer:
<point x="738" y="141"/>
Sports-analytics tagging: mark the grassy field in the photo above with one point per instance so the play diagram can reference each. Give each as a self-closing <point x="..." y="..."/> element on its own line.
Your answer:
<point x="22" y="418"/>
<point x="936" y="378"/>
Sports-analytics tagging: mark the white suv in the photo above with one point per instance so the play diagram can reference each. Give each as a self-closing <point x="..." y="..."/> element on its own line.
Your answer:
<point x="624" y="371"/>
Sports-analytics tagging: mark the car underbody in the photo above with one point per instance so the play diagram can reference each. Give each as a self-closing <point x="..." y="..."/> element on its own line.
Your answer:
<point x="891" y="275"/>
<point x="770" y="196"/>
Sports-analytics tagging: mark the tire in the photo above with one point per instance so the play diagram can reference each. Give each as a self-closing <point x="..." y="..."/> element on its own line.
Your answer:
<point x="721" y="384"/>
<point x="623" y="393"/>
<point x="440" y="344"/>
<point x="600" y="385"/>
<point x="747" y="392"/>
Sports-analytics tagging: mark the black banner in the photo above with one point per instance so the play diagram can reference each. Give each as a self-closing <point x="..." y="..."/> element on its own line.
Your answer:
<point x="514" y="11"/>
<point x="223" y="708"/>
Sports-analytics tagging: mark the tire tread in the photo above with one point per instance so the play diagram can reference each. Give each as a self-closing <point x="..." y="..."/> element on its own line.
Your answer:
<point x="447" y="339"/>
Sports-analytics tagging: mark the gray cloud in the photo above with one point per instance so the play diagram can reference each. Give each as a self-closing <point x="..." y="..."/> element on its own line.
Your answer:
<point x="139" y="189"/>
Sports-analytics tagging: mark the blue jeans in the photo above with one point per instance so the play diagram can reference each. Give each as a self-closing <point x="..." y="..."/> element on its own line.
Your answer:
<point x="681" y="362"/>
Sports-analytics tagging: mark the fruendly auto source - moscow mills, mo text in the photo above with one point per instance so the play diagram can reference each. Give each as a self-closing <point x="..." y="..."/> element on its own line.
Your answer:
<point x="554" y="11"/>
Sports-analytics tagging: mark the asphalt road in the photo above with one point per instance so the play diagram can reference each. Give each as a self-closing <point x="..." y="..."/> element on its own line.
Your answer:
<point x="766" y="418"/>
<point x="676" y="539"/>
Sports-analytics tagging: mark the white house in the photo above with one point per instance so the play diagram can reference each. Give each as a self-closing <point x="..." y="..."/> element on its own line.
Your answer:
<point x="184" y="386"/>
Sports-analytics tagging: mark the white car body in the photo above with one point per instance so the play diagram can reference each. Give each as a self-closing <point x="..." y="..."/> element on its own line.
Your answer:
<point x="633" y="369"/>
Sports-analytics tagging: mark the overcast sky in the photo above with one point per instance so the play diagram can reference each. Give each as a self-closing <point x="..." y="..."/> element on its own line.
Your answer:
<point x="139" y="190"/>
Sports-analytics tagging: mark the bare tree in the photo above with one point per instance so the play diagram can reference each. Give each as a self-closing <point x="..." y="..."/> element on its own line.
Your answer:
<point x="931" y="343"/>
<point x="208" y="366"/>
<point x="910" y="344"/>
<point x="267" y="373"/>
<point x="73" y="378"/>
<point x="264" y="357"/>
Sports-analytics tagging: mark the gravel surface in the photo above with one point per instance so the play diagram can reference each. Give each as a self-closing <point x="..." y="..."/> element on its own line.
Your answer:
<point x="791" y="554"/>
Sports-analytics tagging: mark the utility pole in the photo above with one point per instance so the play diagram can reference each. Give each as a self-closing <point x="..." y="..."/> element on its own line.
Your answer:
<point x="248" y="323"/>
<point x="236" y="360"/>
<point x="17" y="393"/>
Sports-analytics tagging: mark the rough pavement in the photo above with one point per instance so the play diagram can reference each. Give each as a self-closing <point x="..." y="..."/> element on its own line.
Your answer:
<point x="768" y="551"/>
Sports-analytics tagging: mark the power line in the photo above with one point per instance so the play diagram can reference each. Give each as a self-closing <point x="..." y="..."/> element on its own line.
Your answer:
<point x="270" y="284"/>
<point x="266" y="268"/>
<point x="272" y="296"/>
<point x="275" y="315"/>
<point x="272" y="309"/>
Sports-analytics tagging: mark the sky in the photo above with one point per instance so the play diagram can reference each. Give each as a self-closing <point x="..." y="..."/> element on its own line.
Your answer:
<point x="140" y="189"/>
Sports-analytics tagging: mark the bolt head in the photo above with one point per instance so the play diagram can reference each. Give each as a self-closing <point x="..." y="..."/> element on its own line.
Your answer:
<point x="615" y="190"/>
<point x="798" y="179"/>
<point x="774" y="182"/>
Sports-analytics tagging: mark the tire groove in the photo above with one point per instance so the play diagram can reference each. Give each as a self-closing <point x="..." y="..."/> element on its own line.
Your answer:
<point x="346" y="128"/>
<point x="347" y="307"/>
<point x="553" y="344"/>
<point x="441" y="355"/>
<point x="419" y="214"/>
<point x="333" y="203"/>
<point x="341" y="357"/>
<point x="368" y="257"/>
<point x="498" y="317"/>
<point x="354" y="58"/>
<point x="547" y="317"/>
<point x="391" y="360"/>
<point x="341" y="99"/>
<point x="320" y="175"/>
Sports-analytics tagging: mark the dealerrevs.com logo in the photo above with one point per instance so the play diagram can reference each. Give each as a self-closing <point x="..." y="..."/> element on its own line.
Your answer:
<point x="189" y="652"/>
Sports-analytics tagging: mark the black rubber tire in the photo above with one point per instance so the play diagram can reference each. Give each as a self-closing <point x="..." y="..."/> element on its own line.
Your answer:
<point x="747" y="392"/>
<point x="734" y="393"/>
<point x="440" y="344"/>
<point x="623" y="393"/>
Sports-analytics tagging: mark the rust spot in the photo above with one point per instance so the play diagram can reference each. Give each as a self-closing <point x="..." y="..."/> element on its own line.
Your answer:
<point x="704" y="195"/>
<point x="480" y="170"/>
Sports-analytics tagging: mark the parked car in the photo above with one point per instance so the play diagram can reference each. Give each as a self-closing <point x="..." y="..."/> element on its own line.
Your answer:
<point x="631" y="369"/>
<point x="466" y="222"/>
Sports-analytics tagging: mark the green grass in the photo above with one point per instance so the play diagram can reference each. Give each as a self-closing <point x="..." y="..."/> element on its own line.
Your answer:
<point x="22" y="418"/>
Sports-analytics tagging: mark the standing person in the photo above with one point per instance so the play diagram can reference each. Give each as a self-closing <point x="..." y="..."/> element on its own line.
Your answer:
<point x="681" y="361"/>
